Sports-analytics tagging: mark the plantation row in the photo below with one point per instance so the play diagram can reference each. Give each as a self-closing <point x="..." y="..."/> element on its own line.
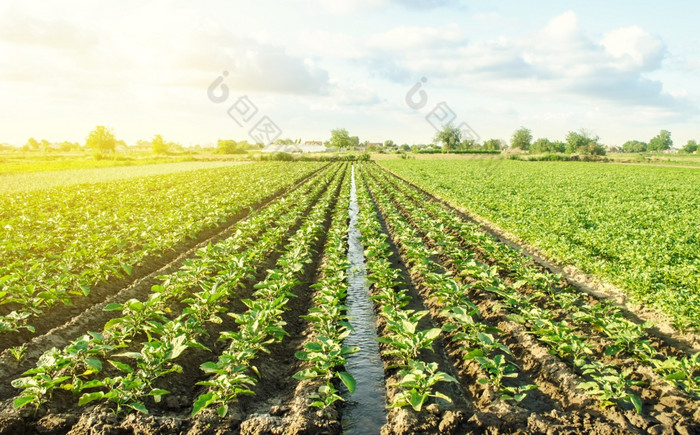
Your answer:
<point x="145" y="342"/>
<point x="488" y="300"/>
<point x="248" y="334"/>
<point x="58" y="243"/>
<point x="634" y="226"/>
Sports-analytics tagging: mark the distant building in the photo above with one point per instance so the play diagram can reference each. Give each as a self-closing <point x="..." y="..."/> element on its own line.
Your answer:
<point x="312" y="146"/>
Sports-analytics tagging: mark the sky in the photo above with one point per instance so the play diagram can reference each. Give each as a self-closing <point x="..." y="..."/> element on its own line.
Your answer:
<point x="196" y="72"/>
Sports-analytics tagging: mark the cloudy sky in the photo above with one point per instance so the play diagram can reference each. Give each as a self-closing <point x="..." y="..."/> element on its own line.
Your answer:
<point x="623" y="70"/>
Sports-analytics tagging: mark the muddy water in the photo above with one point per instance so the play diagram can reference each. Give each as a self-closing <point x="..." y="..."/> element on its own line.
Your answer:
<point x="365" y="410"/>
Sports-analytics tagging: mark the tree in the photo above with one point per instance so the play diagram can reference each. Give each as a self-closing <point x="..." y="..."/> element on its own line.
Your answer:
<point x="389" y="143"/>
<point x="32" y="144"/>
<point x="661" y="142"/>
<point x="690" y="147"/>
<point x="340" y="139"/>
<point x="559" y="146"/>
<point x="450" y="137"/>
<point x="583" y="142"/>
<point x="229" y="146"/>
<point x="634" y="146"/>
<point x="101" y="139"/>
<point x="244" y="144"/>
<point x="522" y="138"/>
<point x="493" y="145"/>
<point x="69" y="146"/>
<point x="541" y="145"/>
<point x="45" y="145"/>
<point x="355" y="142"/>
<point x="405" y="147"/>
<point x="159" y="145"/>
<point x="468" y="144"/>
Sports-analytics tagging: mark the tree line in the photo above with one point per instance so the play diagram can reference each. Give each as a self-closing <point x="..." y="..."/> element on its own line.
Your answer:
<point x="576" y="142"/>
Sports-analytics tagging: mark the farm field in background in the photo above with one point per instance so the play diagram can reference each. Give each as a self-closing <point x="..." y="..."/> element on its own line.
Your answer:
<point x="196" y="299"/>
<point x="42" y="180"/>
<point x="635" y="226"/>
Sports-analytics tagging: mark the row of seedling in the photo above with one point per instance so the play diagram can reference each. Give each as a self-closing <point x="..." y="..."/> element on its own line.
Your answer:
<point x="325" y="353"/>
<point x="403" y="338"/>
<point x="204" y="285"/>
<point x="477" y="341"/>
<point x="605" y="381"/>
<point x="624" y="336"/>
<point x="62" y="241"/>
<point x="262" y="324"/>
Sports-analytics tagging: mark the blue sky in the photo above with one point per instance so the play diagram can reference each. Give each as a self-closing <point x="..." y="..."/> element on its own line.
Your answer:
<point x="622" y="70"/>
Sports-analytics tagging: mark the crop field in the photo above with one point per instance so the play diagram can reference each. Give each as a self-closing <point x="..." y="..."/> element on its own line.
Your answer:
<point x="637" y="227"/>
<point x="216" y="300"/>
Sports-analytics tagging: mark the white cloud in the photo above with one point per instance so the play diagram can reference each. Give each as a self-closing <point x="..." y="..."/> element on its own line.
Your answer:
<point x="559" y="58"/>
<point x="111" y="58"/>
<point x="417" y="38"/>
<point x="634" y="48"/>
<point x="355" y="94"/>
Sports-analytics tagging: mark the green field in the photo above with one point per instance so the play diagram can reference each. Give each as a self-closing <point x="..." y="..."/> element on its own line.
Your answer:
<point x="28" y="181"/>
<point x="61" y="238"/>
<point x="196" y="297"/>
<point x="635" y="226"/>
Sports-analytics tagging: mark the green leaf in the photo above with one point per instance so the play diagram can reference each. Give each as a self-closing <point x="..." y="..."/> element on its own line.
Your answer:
<point x="91" y="384"/>
<point x="23" y="401"/>
<point x="202" y="402"/>
<point x="347" y="350"/>
<point x="113" y="307"/>
<point x="675" y="376"/>
<point x="111" y="322"/>
<point x="313" y="346"/>
<point x="94" y="363"/>
<point x="222" y="410"/>
<point x="442" y="396"/>
<point x="89" y="397"/>
<point x="637" y="402"/>
<point x="416" y="400"/>
<point x="127" y="268"/>
<point x="474" y="354"/>
<point x="210" y="367"/>
<point x="348" y="380"/>
<point x="588" y="385"/>
<point x="432" y="334"/>
<point x="85" y="289"/>
<point x="126" y="368"/>
<point x="138" y="406"/>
